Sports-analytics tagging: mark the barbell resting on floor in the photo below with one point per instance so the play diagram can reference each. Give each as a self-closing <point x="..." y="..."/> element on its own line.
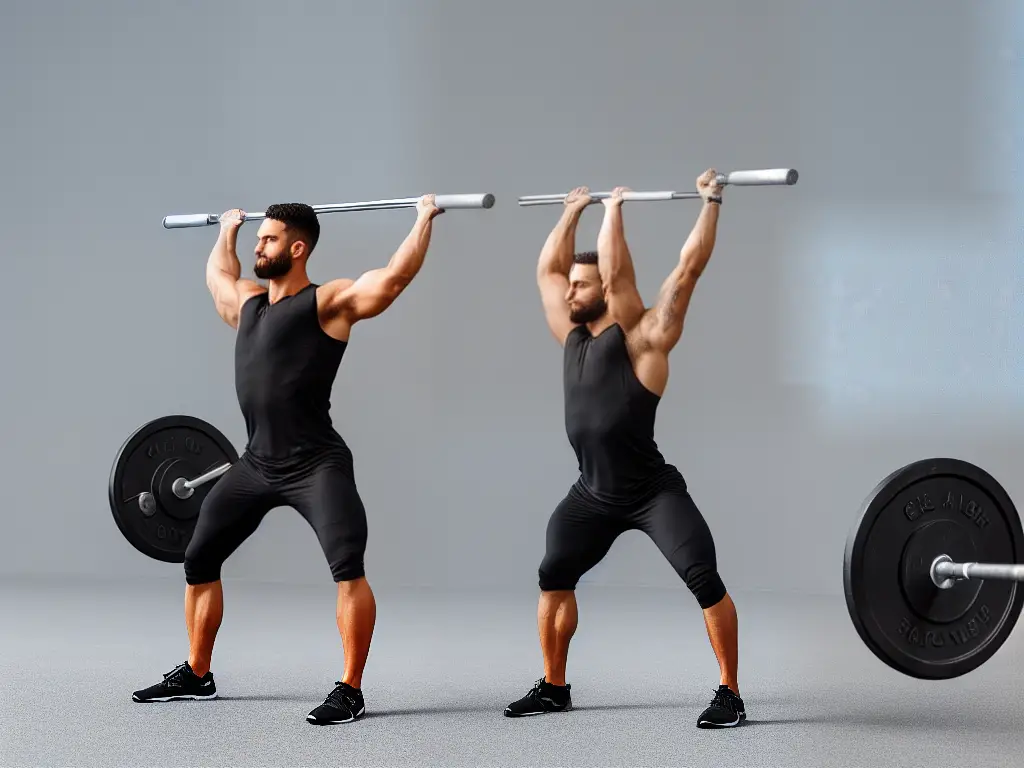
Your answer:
<point x="445" y="202"/>
<point x="760" y="178"/>
<point x="921" y="573"/>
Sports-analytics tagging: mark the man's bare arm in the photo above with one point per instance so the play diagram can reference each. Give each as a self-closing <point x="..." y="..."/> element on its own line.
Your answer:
<point x="663" y="323"/>
<point x="224" y="271"/>
<point x="555" y="262"/>
<point x="616" y="265"/>
<point x="377" y="289"/>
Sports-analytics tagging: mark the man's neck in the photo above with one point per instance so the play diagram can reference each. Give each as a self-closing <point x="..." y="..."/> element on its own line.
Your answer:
<point x="597" y="327"/>
<point x="289" y="285"/>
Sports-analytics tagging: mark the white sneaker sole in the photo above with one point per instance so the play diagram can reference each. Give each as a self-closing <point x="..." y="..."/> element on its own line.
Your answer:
<point x="186" y="697"/>
<point x="314" y="721"/>
<point x="507" y="713"/>
<point x="708" y="725"/>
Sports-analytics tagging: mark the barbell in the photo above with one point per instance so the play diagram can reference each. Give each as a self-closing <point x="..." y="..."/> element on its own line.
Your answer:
<point x="770" y="177"/>
<point x="160" y="477"/>
<point x="930" y="570"/>
<point x="444" y="202"/>
<point x="755" y="178"/>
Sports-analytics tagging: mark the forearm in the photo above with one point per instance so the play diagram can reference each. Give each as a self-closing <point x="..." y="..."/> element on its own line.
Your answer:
<point x="557" y="254"/>
<point x="697" y="249"/>
<point x="613" y="258"/>
<point x="223" y="257"/>
<point x="408" y="259"/>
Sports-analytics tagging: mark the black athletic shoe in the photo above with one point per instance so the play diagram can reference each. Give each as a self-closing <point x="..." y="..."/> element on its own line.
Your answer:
<point x="180" y="684"/>
<point x="542" y="699"/>
<point x="725" y="711"/>
<point x="342" y="705"/>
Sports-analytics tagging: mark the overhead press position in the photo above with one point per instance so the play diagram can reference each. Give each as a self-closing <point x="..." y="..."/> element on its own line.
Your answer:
<point x="615" y="370"/>
<point x="291" y="337"/>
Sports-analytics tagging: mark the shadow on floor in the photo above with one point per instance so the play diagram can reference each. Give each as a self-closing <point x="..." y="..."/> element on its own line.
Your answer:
<point x="882" y="718"/>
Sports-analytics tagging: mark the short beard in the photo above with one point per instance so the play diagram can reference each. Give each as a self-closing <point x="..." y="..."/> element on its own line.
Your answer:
<point x="589" y="313"/>
<point x="269" y="269"/>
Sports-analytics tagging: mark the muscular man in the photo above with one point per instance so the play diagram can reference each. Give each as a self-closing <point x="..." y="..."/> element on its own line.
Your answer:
<point x="291" y="336"/>
<point x="615" y="370"/>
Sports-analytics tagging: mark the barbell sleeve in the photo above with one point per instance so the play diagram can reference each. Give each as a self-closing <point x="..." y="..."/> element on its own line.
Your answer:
<point x="944" y="570"/>
<point x="183" y="488"/>
<point x="445" y="202"/>
<point x="757" y="178"/>
<point x="182" y="221"/>
<point x="765" y="177"/>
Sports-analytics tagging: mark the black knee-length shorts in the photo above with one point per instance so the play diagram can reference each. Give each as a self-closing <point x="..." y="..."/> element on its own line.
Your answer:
<point x="582" y="529"/>
<point x="322" y="491"/>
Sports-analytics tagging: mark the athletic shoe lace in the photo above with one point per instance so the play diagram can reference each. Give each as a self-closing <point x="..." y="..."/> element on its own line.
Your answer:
<point x="174" y="677"/>
<point x="340" y="698"/>
<point x="535" y="691"/>
<point x="724" y="700"/>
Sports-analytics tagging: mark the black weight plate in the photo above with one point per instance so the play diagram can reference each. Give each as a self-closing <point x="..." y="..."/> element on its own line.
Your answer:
<point x="148" y="462"/>
<point x="928" y="508"/>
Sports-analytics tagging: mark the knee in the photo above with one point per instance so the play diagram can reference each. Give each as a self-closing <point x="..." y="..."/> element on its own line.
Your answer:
<point x="200" y="566"/>
<point x="557" y="574"/>
<point x="347" y="568"/>
<point x="705" y="584"/>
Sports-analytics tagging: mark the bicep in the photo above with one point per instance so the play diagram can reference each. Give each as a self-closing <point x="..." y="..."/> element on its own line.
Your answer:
<point x="553" y="288"/>
<point x="369" y="295"/>
<point x="664" y="321"/>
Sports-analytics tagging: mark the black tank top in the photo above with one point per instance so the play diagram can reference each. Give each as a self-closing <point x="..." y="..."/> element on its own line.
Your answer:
<point x="285" y="365"/>
<point x="609" y="418"/>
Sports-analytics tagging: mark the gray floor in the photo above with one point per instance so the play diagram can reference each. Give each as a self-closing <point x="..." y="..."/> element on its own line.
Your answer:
<point x="442" y="668"/>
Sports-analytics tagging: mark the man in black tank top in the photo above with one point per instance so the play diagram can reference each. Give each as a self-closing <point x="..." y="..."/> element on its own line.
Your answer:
<point x="290" y="340"/>
<point x="615" y="370"/>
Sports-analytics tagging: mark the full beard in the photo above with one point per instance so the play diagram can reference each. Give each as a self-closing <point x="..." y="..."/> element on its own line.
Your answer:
<point x="267" y="268"/>
<point x="588" y="314"/>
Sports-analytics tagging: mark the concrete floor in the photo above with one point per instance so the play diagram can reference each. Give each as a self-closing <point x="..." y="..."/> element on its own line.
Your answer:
<point x="443" y="666"/>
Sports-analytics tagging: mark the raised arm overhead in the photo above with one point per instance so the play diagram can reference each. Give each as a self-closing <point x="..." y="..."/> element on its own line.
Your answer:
<point x="345" y="302"/>
<point x="224" y="271"/>
<point x="615" y="265"/>
<point x="662" y="324"/>
<point x="556" y="258"/>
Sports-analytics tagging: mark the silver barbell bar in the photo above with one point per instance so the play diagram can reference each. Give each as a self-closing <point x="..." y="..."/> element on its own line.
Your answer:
<point x="445" y="202"/>
<point x="769" y="177"/>
<point x="181" y="488"/>
<point x="945" y="573"/>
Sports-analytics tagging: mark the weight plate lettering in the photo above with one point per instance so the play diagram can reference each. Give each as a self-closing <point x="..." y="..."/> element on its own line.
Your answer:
<point x="928" y="508"/>
<point x="149" y="515"/>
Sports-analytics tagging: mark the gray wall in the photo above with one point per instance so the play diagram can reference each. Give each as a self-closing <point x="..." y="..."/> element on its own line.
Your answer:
<point x="865" y="318"/>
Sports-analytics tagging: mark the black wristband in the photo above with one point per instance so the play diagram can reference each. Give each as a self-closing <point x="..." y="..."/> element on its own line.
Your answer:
<point x="714" y="200"/>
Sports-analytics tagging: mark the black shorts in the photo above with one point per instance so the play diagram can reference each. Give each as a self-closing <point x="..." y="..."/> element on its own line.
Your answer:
<point x="322" y="491"/>
<point x="582" y="529"/>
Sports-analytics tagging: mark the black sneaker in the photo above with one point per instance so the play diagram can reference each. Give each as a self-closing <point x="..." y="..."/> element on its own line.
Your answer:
<point x="542" y="699"/>
<point x="180" y="684"/>
<point x="342" y="705"/>
<point x="725" y="711"/>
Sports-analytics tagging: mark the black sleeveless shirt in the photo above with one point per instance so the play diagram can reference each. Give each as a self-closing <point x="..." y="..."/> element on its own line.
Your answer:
<point x="285" y="365"/>
<point x="609" y="418"/>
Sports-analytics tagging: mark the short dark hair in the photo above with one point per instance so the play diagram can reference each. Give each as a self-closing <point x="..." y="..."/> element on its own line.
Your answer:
<point x="300" y="217"/>
<point x="585" y="257"/>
